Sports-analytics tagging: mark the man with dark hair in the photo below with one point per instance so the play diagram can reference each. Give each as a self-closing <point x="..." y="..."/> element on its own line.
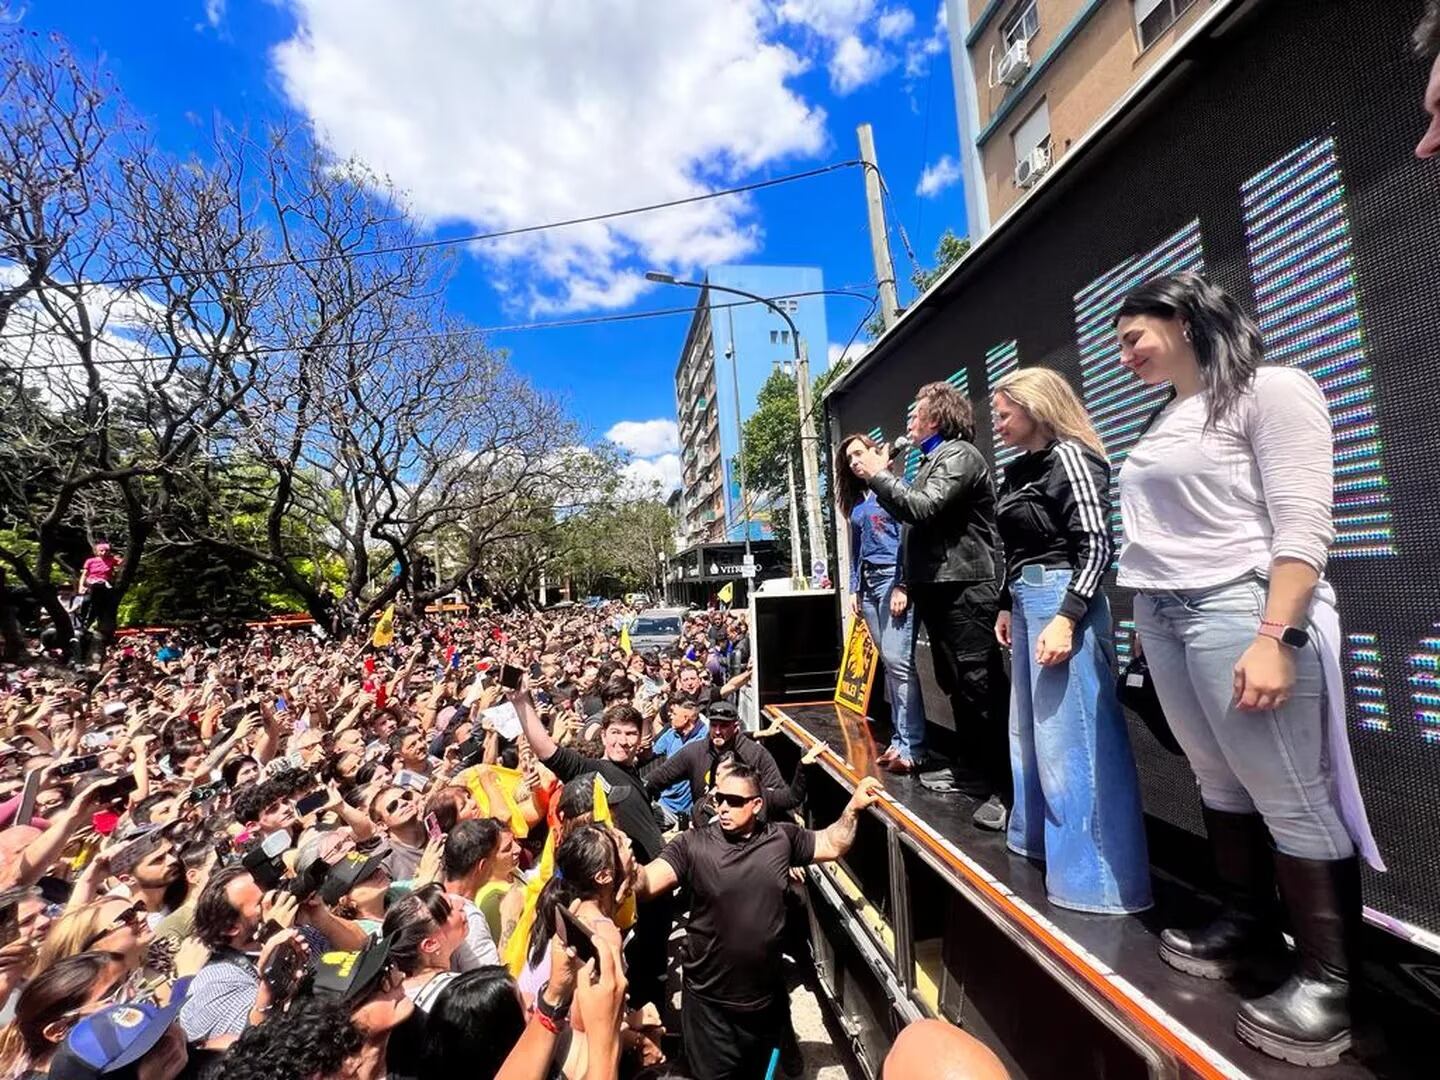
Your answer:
<point x="228" y="993"/>
<point x="469" y="851"/>
<point x="1427" y="44"/>
<point x="397" y="811"/>
<point x="631" y="811"/>
<point x="734" y="1009"/>
<point x="491" y="852"/>
<point x="683" y="726"/>
<point x="948" y="548"/>
<point x="696" y="762"/>
<point x="266" y="806"/>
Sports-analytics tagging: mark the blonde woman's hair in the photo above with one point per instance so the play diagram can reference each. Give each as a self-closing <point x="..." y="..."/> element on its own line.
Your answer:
<point x="1051" y="403"/>
<point x="72" y="933"/>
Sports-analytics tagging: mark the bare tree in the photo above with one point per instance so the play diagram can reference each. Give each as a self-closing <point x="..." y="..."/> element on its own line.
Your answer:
<point x="130" y="343"/>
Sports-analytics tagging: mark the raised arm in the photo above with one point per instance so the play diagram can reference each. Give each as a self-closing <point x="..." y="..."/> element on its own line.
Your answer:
<point x="952" y="478"/>
<point x="533" y="727"/>
<point x="834" y="842"/>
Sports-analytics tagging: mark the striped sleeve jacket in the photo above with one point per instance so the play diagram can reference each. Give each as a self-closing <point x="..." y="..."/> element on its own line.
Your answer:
<point x="1053" y="511"/>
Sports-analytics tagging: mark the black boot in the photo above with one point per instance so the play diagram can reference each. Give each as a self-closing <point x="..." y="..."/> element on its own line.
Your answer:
<point x="1307" y="1020"/>
<point x="1246" y="928"/>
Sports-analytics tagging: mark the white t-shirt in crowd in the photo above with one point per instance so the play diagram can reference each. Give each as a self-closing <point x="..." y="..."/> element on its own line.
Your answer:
<point x="1204" y="507"/>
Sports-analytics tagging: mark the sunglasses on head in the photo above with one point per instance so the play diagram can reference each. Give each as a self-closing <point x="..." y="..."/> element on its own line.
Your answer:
<point x="726" y="798"/>
<point x="391" y="806"/>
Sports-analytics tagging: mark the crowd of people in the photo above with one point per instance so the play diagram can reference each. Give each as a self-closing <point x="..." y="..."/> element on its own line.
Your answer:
<point x="462" y="851"/>
<point x="469" y="846"/>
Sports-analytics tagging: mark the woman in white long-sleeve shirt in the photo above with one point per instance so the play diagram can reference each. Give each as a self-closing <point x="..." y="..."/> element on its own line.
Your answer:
<point x="1226" y="503"/>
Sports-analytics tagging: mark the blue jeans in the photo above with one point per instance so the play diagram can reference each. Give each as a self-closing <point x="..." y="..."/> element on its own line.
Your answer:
<point x="896" y="641"/>
<point x="1077" y="794"/>
<point x="1272" y="762"/>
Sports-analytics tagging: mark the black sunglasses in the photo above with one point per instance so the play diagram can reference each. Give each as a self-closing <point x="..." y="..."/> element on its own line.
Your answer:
<point x="726" y="798"/>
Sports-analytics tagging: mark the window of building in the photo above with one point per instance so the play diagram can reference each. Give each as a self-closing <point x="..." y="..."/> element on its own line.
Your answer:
<point x="1022" y="25"/>
<point x="784" y="337"/>
<point x="774" y="337"/>
<point x="1154" y="17"/>
<point x="1033" y="131"/>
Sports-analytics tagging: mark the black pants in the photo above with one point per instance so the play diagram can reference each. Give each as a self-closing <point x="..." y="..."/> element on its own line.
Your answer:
<point x="959" y="619"/>
<point x="727" y="1044"/>
<point x="646" y="953"/>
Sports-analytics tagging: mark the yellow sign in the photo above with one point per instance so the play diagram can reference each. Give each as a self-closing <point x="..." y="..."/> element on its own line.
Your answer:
<point x="857" y="668"/>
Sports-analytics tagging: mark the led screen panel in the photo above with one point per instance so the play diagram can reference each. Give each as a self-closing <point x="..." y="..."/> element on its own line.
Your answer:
<point x="1294" y="185"/>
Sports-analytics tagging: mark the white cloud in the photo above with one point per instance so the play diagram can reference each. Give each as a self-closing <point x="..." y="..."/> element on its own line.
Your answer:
<point x="643" y="479"/>
<point x="859" y="41"/>
<point x="894" y="24"/>
<point x="919" y="52"/>
<point x="214" y="12"/>
<point x="937" y="177"/>
<point x="855" y="64"/>
<point x="646" y="438"/>
<point x="837" y="352"/>
<point x="503" y="114"/>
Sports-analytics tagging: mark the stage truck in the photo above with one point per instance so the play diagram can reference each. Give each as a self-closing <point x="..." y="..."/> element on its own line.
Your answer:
<point x="1271" y="151"/>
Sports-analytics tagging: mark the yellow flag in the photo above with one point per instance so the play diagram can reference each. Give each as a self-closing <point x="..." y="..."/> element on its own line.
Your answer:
<point x="514" y="953"/>
<point x="625" y="639"/>
<point x="384" y="629"/>
<point x="727" y="594"/>
<point x="507" y="780"/>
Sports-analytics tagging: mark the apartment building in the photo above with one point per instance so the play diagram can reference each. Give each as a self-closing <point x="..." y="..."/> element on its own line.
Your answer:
<point x="730" y="349"/>
<point x="1032" y="76"/>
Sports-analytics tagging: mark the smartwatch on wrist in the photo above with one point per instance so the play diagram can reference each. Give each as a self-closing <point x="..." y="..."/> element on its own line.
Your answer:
<point x="554" y="1017"/>
<point x="1292" y="636"/>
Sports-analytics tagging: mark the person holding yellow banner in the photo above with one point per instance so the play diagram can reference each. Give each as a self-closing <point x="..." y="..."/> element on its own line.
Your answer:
<point x="878" y="595"/>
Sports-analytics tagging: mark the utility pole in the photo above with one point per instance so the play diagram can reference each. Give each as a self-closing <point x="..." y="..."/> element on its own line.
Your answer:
<point x="879" y="240"/>
<point x="809" y="458"/>
<point x="797" y="561"/>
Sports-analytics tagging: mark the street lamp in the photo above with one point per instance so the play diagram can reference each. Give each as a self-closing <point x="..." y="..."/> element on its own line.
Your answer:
<point x="808" y="439"/>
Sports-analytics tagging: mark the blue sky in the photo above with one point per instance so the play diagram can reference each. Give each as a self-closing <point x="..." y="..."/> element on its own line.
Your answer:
<point x="498" y="113"/>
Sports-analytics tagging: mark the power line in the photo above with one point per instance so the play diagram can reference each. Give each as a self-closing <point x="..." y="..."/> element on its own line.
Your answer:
<point x="131" y="281"/>
<point x="591" y="320"/>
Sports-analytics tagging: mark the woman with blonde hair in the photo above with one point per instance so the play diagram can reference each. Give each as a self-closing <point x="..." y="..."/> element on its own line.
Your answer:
<point x="111" y="924"/>
<point x="1077" y="794"/>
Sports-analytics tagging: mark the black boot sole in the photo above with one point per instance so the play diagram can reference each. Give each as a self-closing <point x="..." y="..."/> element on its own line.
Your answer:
<point x="1309" y="1054"/>
<point x="1201" y="969"/>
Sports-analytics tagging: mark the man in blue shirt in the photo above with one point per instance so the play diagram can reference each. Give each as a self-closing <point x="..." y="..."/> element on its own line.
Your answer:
<point x="682" y="712"/>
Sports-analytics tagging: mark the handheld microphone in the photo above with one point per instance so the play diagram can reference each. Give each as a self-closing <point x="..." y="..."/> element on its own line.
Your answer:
<point x="900" y="444"/>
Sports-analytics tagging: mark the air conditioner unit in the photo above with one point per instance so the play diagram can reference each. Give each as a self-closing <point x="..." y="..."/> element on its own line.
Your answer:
<point x="1032" y="166"/>
<point x="1015" y="63"/>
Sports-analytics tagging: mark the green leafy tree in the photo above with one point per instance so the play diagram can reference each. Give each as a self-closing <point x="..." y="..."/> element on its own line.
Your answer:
<point x="772" y="446"/>
<point x="948" y="251"/>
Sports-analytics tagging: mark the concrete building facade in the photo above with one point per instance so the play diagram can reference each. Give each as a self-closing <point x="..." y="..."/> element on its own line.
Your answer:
<point x="1033" y="76"/>
<point x="730" y="349"/>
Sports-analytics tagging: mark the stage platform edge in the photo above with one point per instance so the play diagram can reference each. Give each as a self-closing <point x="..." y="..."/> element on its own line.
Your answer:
<point x="1177" y="1025"/>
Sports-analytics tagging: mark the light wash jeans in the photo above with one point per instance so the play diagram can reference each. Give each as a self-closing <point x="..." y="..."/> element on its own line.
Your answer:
<point x="1077" y="794"/>
<point x="1272" y="762"/>
<point x="896" y="641"/>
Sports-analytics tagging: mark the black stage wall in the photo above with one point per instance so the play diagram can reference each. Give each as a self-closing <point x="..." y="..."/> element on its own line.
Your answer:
<point x="1277" y="158"/>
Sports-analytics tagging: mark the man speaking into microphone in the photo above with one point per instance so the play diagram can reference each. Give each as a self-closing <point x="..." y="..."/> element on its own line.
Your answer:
<point x="948" y="546"/>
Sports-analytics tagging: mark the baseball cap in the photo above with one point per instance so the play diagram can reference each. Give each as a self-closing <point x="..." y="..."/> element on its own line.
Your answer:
<point x="115" y="1037"/>
<point x="723" y="712"/>
<point x="350" y="871"/>
<point x="349" y="976"/>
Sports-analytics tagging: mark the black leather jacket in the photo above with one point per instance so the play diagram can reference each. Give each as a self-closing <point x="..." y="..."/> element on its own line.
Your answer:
<point x="948" y="515"/>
